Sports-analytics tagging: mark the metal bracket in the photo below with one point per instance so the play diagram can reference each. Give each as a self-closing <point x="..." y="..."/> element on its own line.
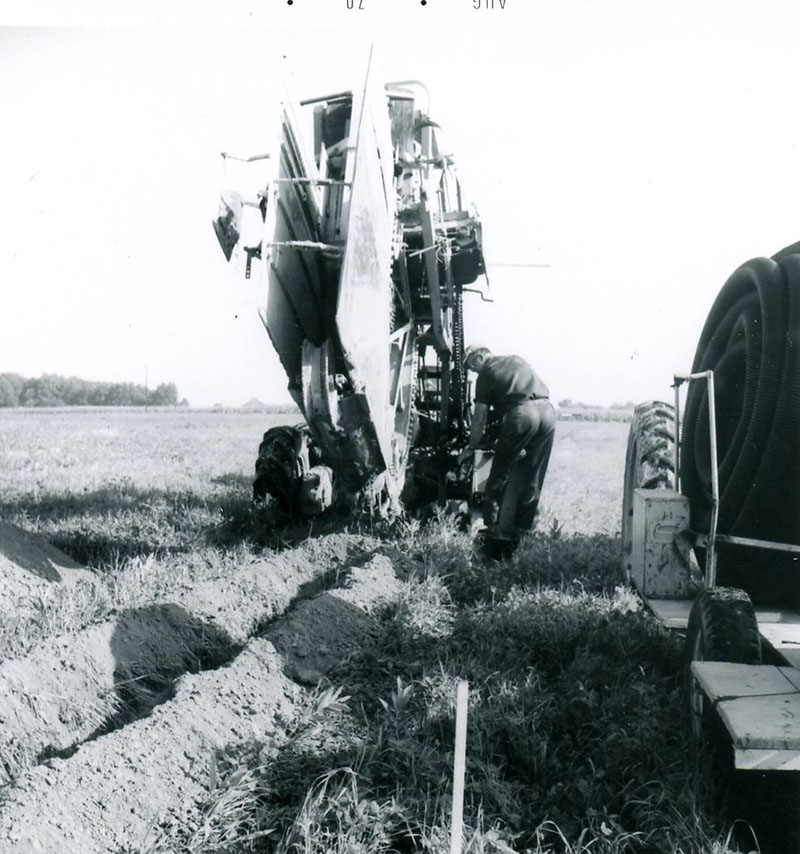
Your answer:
<point x="479" y="292"/>
<point x="713" y="538"/>
<point x="252" y="252"/>
<point x="311" y="245"/>
<point x="228" y="156"/>
<point x="322" y="182"/>
<point x="710" y="578"/>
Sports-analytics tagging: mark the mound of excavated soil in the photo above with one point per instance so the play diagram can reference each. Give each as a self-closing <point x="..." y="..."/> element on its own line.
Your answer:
<point x="116" y="789"/>
<point x="324" y="630"/>
<point x="29" y="565"/>
<point x="74" y="687"/>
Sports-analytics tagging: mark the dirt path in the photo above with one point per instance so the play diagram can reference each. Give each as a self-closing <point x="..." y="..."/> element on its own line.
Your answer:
<point x="116" y="789"/>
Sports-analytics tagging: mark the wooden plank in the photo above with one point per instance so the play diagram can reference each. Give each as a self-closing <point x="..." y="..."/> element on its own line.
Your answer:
<point x="793" y="675"/>
<point x="671" y="613"/>
<point x="777" y="615"/>
<point x="792" y="655"/>
<point x="763" y="722"/>
<point x="721" y="680"/>
<point x="773" y="623"/>
<point x="781" y="635"/>
<point x="767" y="760"/>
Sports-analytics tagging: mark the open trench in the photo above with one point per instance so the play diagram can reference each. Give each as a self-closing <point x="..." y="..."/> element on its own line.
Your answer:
<point x="71" y="688"/>
<point x="91" y="768"/>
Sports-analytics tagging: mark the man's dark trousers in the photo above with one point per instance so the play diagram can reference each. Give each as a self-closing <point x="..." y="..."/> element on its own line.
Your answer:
<point x="529" y="427"/>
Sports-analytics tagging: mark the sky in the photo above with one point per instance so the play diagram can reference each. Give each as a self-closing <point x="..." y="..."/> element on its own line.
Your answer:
<point x="630" y="154"/>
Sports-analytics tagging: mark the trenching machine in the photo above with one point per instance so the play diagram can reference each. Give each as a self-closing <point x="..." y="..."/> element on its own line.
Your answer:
<point x="367" y="249"/>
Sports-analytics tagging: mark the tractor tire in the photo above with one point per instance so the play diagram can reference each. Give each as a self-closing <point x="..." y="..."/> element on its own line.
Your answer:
<point x="282" y="460"/>
<point x="722" y="627"/>
<point x="649" y="463"/>
<point x="750" y="341"/>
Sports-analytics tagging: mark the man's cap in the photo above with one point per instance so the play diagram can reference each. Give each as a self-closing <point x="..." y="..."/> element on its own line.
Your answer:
<point x="474" y="350"/>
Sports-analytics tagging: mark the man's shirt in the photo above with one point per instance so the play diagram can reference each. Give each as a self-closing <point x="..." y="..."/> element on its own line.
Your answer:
<point x="506" y="381"/>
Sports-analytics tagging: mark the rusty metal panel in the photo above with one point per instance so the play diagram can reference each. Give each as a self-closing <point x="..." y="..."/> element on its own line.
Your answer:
<point x="660" y="564"/>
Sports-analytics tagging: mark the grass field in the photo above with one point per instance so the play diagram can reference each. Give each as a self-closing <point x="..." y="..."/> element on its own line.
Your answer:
<point x="105" y="484"/>
<point x="576" y="740"/>
<point x="177" y="473"/>
<point x="47" y="453"/>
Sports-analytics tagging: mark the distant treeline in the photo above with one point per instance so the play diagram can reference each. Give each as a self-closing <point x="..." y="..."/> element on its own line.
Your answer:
<point x="54" y="390"/>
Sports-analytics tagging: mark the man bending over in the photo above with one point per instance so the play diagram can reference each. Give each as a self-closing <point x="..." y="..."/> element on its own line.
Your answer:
<point x="511" y="386"/>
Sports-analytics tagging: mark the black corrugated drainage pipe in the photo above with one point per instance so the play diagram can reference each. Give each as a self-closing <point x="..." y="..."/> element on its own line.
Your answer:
<point x="751" y="340"/>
